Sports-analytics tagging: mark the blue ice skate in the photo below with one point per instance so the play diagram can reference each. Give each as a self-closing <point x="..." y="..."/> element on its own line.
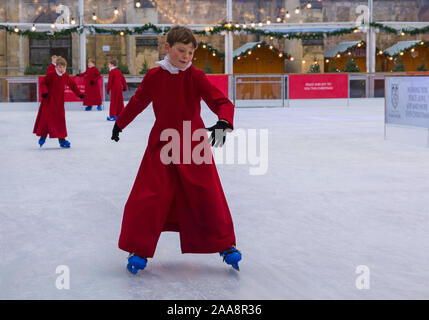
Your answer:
<point x="64" y="143"/>
<point x="100" y="107"/>
<point x="231" y="256"/>
<point x="111" y="118"/>
<point x="42" y="141"/>
<point x="88" y="108"/>
<point x="136" y="263"/>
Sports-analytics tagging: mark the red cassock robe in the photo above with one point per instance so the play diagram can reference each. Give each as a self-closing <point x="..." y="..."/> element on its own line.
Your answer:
<point x="186" y="198"/>
<point x="51" y="68"/>
<point x="116" y="84"/>
<point x="51" y="117"/>
<point x="92" y="91"/>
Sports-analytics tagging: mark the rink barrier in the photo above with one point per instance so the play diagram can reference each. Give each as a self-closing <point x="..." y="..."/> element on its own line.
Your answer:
<point x="245" y="90"/>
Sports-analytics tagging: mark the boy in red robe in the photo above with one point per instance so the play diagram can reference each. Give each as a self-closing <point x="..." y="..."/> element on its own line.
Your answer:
<point x="185" y="197"/>
<point x="116" y="84"/>
<point x="51" y="67"/>
<point x="51" y="116"/>
<point x="92" y="90"/>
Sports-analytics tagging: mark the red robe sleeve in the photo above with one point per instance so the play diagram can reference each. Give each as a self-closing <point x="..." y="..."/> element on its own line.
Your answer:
<point x="110" y="81"/>
<point x="138" y="102"/>
<point x="124" y="82"/>
<point x="215" y="99"/>
<point x="72" y="85"/>
<point x="43" y="85"/>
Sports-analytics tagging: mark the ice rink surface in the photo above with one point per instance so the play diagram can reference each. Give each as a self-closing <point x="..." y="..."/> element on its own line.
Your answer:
<point x="336" y="196"/>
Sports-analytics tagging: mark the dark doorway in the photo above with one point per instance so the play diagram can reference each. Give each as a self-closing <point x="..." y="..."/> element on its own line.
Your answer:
<point x="42" y="50"/>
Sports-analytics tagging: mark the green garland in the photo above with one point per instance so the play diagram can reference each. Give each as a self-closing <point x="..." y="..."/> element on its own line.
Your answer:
<point x="219" y="29"/>
<point x="264" y="45"/>
<point x="205" y="45"/>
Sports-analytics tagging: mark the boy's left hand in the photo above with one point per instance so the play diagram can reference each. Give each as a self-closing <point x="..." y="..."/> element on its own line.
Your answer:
<point x="218" y="136"/>
<point x="82" y="96"/>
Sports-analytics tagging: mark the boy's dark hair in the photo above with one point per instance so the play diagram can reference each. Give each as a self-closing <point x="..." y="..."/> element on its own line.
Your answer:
<point x="114" y="62"/>
<point x="181" y="34"/>
<point x="91" y="60"/>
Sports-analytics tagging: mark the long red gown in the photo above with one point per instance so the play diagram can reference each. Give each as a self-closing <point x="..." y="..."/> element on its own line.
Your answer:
<point x="92" y="91"/>
<point x="116" y="84"/>
<point x="51" y="117"/>
<point x="187" y="198"/>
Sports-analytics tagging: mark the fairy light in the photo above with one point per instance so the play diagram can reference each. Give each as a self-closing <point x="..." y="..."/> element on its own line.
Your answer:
<point x="116" y="11"/>
<point x="401" y="53"/>
<point x="138" y="4"/>
<point x="308" y="5"/>
<point x="260" y="24"/>
<point x="291" y="58"/>
<point x="122" y="33"/>
<point x="287" y="14"/>
<point x="53" y="26"/>
<point x="327" y="60"/>
<point x="338" y="55"/>
<point x="16" y="29"/>
<point x="33" y="28"/>
<point x="252" y="24"/>
<point x="297" y="10"/>
<point x="279" y="19"/>
<point x="73" y="21"/>
<point x="94" y="17"/>
<point x="268" y="22"/>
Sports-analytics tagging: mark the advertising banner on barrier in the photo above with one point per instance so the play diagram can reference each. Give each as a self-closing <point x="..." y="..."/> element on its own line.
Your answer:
<point x="69" y="95"/>
<point x="407" y="100"/>
<point x="318" y="86"/>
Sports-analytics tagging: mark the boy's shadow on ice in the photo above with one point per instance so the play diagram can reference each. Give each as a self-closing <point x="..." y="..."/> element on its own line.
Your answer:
<point x="187" y="270"/>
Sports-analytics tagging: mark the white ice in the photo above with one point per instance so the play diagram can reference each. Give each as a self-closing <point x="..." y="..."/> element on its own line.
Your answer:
<point x="336" y="195"/>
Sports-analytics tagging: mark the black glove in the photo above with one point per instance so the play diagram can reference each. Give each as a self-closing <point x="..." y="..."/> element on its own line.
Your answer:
<point x="92" y="82"/>
<point x="115" y="132"/>
<point x="218" y="136"/>
<point x="82" y="96"/>
<point x="124" y="89"/>
<point x="44" y="95"/>
<point x="78" y="75"/>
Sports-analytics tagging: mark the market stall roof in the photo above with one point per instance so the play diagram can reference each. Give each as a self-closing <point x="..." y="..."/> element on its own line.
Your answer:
<point x="341" y="47"/>
<point x="400" y="46"/>
<point x="237" y="52"/>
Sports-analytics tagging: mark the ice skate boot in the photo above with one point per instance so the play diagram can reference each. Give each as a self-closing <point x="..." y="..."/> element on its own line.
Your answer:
<point x="231" y="256"/>
<point x="136" y="263"/>
<point x="64" y="143"/>
<point x="42" y="141"/>
<point x="100" y="107"/>
<point x="88" y="108"/>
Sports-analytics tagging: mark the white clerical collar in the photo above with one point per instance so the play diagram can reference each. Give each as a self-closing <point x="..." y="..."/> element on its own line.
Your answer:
<point x="110" y="69"/>
<point x="166" y="65"/>
<point x="60" y="74"/>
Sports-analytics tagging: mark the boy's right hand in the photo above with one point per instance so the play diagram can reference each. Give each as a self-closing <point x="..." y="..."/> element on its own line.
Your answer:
<point x="44" y="95"/>
<point x="115" y="132"/>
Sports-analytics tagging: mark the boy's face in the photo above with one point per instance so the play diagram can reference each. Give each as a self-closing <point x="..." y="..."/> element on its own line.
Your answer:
<point x="111" y="65"/>
<point x="180" y="54"/>
<point x="61" y="69"/>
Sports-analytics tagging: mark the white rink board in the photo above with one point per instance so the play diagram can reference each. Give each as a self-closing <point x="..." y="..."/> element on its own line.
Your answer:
<point x="407" y="101"/>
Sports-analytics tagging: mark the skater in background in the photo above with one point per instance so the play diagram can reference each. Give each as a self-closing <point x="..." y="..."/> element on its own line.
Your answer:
<point x="182" y="197"/>
<point x="51" y="118"/>
<point x="92" y="89"/>
<point x="51" y="67"/>
<point x="116" y="84"/>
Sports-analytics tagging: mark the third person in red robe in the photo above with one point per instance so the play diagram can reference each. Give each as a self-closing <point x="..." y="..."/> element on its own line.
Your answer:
<point x="92" y="88"/>
<point x="116" y="84"/>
